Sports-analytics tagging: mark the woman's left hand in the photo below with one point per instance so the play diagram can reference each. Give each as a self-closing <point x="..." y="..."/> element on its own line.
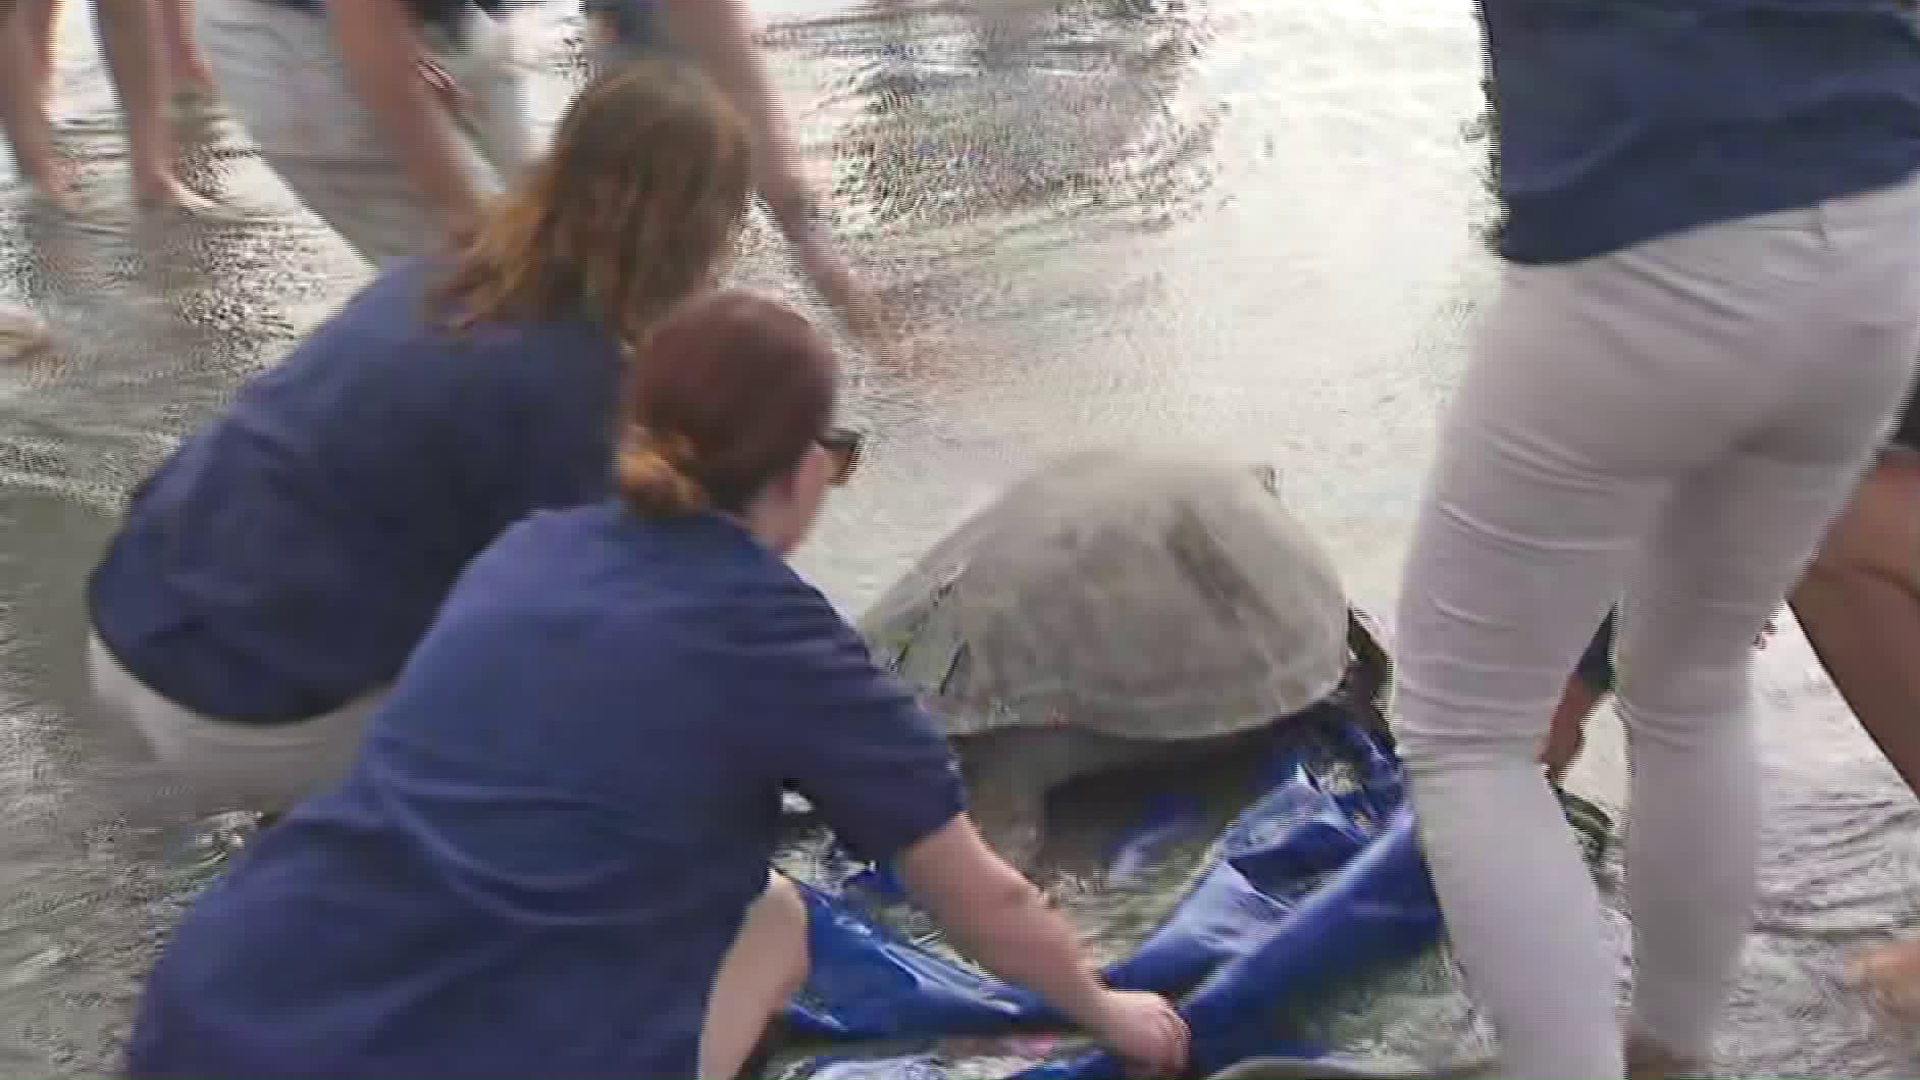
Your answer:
<point x="865" y="317"/>
<point x="444" y="88"/>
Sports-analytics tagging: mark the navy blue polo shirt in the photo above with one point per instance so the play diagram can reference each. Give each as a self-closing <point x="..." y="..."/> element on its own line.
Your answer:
<point x="555" y="824"/>
<point x="1623" y="120"/>
<point x="286" y="558"/>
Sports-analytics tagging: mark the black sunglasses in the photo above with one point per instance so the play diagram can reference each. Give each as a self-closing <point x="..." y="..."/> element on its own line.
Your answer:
<point x="844" y="444"/>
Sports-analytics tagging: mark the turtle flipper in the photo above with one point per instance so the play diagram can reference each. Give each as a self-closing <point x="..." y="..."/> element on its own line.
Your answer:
<point x="1010" y="813"/>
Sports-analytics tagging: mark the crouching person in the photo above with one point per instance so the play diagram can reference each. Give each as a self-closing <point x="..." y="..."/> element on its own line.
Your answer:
<point x="552" y="854"/>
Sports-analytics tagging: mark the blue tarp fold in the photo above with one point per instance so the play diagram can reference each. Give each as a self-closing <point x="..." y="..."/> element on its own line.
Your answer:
<point x="1317" y="881"/>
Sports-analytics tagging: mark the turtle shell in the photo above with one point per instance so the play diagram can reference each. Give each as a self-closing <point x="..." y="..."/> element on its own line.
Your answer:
<point x="1142" y="595"/>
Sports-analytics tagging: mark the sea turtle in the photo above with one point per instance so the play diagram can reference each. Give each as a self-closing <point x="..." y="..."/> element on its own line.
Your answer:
<point x="1108" y="610"/>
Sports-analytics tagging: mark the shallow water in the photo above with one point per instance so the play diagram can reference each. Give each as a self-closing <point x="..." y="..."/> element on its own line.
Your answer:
<point x="1249" y="224"/>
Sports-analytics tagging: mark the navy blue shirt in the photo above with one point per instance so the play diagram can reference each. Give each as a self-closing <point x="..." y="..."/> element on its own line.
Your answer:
<point x="555" y="825"/>
<point x="1622" y="120"/>
<point x="291" y="552"/>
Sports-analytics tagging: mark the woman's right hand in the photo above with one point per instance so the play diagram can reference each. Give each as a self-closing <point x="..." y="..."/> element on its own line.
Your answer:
<point x="1144" y="1031"/>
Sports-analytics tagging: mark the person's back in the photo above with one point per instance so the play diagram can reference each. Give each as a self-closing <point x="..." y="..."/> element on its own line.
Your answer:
<point x="576" y="819"/>
<point x="289" y="555"/>
<point x="271" y="577"/>
<point x="1622" y="120"/>
<point x="553" y="854"/>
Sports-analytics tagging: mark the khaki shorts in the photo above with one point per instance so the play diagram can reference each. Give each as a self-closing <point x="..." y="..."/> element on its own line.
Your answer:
<point x="228" y="765"/>
<point x="282" y="76"/>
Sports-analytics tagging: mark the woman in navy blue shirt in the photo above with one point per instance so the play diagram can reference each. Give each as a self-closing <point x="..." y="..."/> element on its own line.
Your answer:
<point x="273" y="574"/>
<point x="552" y="855"/>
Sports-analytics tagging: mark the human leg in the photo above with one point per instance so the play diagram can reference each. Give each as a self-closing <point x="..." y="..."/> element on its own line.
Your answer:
<point x="187" y="70"/>
<point x="485" y="67"/>
<point x="231" y="765"/>
<point x="765" y="966"/>
<point x="22" y="105"/>
<point x="1591" y="682"/>
<point x="283" y="78"/>
<point x="1516" y="557"/>
<point x="1597" y="389"/>
<point x="40" y="17"/>
<point x="1859" y="605"/>
<point x="128" y="31"/>
<point x="22" y="331"/>
<point x="1732" y="541"/>
<point x="1567" y="731"/>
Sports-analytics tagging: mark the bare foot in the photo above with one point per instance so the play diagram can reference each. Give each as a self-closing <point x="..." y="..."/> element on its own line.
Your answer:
<point x="1890" y="975"/>
<point x="22" y="332"/>
<point x="195" y="105"/>
<point x="156" y="194"/>
<point x="58" y="197"/>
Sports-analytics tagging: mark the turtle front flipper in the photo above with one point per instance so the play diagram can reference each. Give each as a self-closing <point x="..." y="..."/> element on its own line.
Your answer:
<point x="1008" y="808"/>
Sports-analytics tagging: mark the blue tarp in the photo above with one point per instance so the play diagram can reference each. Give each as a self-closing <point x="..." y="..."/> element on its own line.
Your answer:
<point x="1316" y="882"/>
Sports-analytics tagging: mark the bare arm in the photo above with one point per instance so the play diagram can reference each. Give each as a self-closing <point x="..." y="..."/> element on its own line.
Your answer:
<point x="379" y="43"/>
<point x="719" y="33"/>
<point x="1000" y="919"/>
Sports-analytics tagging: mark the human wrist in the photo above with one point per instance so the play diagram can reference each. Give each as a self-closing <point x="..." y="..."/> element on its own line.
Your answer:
<point x="1088" y="1005"/>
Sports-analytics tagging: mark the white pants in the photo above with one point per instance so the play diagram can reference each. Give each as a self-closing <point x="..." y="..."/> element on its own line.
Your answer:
<point x="280" y="71"/>
<point x="231" y="765"/>
<point x="1675" y="424"/>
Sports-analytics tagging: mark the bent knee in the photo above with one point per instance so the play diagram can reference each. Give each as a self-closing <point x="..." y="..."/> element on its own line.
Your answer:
<point x="778" y="920"/>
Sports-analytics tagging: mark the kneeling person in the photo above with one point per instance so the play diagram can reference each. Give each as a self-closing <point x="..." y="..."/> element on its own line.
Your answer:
<point x="551" y="857"/>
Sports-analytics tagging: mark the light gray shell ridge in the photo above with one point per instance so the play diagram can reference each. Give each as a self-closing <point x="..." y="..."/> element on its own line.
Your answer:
<point x="1146" y="595"/>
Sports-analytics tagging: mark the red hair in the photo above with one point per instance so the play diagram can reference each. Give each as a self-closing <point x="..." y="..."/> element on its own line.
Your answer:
<point x="731" y="390"/>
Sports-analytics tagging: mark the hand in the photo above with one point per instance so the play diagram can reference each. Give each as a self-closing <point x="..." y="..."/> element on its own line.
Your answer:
<point x="444" y="88"/>
<point x="878" y="334"/>
<point x="1145" y="1032"/>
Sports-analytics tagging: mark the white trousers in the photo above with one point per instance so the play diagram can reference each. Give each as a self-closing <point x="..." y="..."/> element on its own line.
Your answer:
<point x="227" y="765"/>
<point x="1675" y="424"/>
<point x="281" y="73"/>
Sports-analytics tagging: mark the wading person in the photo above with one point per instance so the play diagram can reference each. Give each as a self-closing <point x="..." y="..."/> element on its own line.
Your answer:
<point x="552" y="857"/>
<point x="1859" y="605"/>
<point x="130" y="41"/>
<point x="1705" y="325"/>
<point x="395" y="120"/>
<point x="717" y="35"/>
<point x="352" y="104"/>
<point x="270" y="578"/>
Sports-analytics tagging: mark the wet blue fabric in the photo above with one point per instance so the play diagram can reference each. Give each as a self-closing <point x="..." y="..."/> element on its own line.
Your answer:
<point x="1620" y="121"/>
<point x="292" y="551"/>
<point x="1317" y="882"/>
<point x="1379" y="909"/>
